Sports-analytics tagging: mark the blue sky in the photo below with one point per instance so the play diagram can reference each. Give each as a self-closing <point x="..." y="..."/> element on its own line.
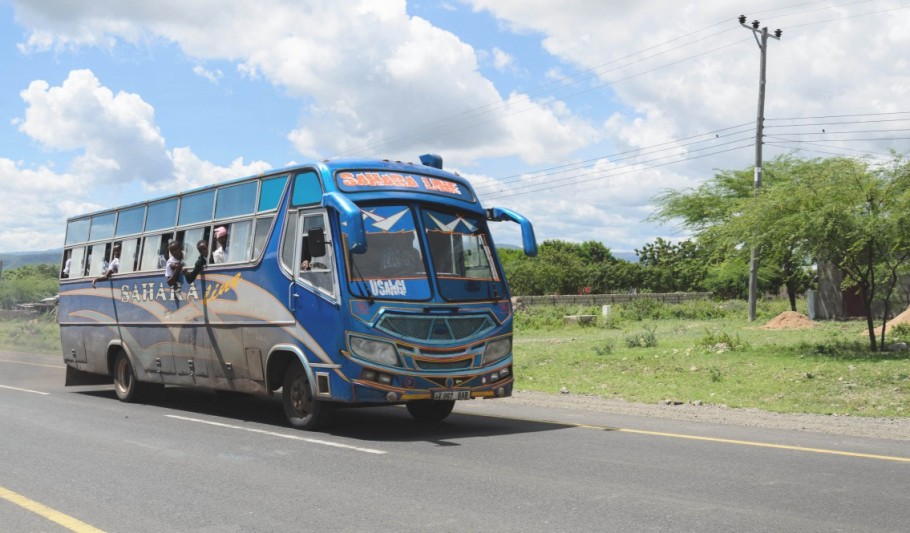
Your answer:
<point x="110" y="102"/>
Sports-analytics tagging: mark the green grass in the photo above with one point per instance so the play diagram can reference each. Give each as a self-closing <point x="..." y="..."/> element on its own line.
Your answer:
<point x="726" y="361"/>
<point x="41" y="334"/>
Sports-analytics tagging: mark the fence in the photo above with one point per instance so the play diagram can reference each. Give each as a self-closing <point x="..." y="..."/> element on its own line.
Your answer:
<point x="608" y="299"/>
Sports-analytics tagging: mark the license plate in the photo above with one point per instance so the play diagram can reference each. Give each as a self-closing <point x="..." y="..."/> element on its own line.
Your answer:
<point x="452" y="395"/>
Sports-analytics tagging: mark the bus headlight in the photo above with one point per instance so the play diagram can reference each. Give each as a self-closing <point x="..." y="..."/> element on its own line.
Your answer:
<point x="497" y="350"/>
<point x="377" y="351"/>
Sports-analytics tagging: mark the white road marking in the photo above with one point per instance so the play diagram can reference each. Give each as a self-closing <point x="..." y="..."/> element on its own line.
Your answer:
<point x="31" y="364"/>
<point x="25" y="390"/>
<point x="282" y="435"/>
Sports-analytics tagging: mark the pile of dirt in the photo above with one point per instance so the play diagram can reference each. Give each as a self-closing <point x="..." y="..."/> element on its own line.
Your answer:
<point x="789" y="320"/>
<point x="903" y="318"/>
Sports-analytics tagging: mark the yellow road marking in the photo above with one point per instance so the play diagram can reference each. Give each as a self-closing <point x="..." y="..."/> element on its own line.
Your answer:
<point x="758" y="444"/>
<point x="46" y="512"/>
<point x="31" y="364"/>
<point x="717" y="439"/>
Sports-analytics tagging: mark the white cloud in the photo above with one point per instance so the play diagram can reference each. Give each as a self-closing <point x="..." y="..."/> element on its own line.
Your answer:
<point x="117" y="144"/>
<point x="502" y="60"/>
<point x="35" y="203"/>
<point x="374" y="76"/>
<point x="116" y="133"/>
<point x="191" y="172"/>
<point x="211" y="75"/>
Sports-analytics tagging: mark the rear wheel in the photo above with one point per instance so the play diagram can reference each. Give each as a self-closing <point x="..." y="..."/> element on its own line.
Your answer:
<point x="302" y="410"/>
<point x="429" y="411"/>
<point x="126" y="384"/>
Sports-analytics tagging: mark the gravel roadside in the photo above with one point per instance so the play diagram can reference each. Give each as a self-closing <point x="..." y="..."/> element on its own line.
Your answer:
<point x="884" y="428"/>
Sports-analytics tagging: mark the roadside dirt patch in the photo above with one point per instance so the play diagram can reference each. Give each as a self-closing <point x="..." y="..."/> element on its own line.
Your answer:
<point x="789" y="320"/>
<point x="903" y="318"/>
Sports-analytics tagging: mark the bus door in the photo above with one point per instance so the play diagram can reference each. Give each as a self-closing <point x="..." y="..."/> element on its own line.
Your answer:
<point x="315" y="289"/>
<point x="192" y="352"/>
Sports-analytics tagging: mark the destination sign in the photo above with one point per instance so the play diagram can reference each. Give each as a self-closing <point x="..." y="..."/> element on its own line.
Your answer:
<point x="371" y="181"/>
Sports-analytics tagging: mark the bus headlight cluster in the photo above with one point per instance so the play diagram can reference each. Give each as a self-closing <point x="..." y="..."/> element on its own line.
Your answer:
<point x="377" y="351"/>
<point x="496" y="350"/>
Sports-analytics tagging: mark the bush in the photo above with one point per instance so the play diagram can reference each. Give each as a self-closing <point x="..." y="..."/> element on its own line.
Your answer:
<point x="643" y="309"/>
<point x="722" y="340"/>
<point x="606" y="347"/>
<point x="644" y="339"/>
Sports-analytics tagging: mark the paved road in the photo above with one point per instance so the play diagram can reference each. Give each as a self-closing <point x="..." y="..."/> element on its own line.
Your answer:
<point x="77" y="459"/>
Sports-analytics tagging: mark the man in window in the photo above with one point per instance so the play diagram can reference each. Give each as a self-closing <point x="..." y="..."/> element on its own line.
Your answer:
<point x="112" y="268"/>
<point x="219" y="256"/>
<point x="203" y="248"/>
<point x="174" y="266"/>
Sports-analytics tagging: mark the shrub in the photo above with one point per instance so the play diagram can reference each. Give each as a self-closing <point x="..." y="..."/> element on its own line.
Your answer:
<point x="643" y="339"/>
<point x="643" y="309"/>
<point x="716" y="340"/>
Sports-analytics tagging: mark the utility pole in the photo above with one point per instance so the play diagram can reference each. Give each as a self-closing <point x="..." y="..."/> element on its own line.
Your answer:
<point x="761" y="37"/>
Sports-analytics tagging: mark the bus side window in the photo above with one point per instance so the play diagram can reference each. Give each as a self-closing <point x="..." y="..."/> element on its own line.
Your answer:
<point x="67" y="264"/>
<point x="261" y="235"/>
<point x="154" y="251"/>
<point x="129" y="255"/>
<point x="96" y="260"/>
<point x="316" y="270"/>
<point x="287" y="242"/>
<point x="75" y="263"/>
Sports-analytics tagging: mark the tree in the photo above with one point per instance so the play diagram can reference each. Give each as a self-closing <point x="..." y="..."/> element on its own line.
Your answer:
<point x="669" y="267"/>
<point x="563" y="267"/>
<point x="722" y="199"/>
<point x="849" y="214"/>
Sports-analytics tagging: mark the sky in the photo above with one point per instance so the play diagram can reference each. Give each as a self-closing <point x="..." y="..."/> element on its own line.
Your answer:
<point x="574" y="113"/>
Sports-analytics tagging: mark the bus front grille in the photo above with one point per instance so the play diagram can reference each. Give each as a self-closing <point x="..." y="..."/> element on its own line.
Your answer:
<point x="443" y="365"/>
<point x="436" y="329"/>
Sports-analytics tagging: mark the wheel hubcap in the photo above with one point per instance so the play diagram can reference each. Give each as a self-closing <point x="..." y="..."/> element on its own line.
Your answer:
<point x="299" y="398"/>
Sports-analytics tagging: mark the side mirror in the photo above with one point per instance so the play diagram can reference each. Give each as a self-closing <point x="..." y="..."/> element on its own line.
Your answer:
<point x="350" y="218"/>
<point x="529" y="243"/>
<point x="315" y="240"/>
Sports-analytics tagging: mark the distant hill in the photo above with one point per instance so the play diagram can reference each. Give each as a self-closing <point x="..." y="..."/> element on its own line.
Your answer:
<point x="13" y="260"/>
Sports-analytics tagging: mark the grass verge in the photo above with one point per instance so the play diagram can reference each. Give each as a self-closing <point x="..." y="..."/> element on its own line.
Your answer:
<point x="41" y="334"/>
<point x="713" y="357"/>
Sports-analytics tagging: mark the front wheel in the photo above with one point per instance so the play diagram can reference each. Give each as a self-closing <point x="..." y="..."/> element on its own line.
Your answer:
<point x="429" y="411"/>
<point x="301" y="409"/>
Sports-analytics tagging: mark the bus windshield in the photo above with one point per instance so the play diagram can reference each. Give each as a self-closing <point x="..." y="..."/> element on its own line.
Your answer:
<point x="395" y="264"/>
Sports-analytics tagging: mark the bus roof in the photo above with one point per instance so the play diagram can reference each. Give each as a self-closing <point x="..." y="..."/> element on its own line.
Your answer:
<point x="328" y="168"/>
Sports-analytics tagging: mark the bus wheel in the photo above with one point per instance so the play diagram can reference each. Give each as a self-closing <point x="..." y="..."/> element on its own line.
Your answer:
<point x="126" y="385"/>
<point x="301" y="409"/>
<point x="429" y="411"/>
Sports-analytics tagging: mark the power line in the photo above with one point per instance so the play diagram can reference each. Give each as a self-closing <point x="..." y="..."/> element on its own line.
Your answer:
<point x="639" y="163"/>
<point x="547" y="188"/>
<point x="590" y="163"/>
<point x="843" y="116"/>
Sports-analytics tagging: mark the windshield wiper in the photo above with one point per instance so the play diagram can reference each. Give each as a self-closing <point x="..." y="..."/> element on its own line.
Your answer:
<point x="361" y="281"/>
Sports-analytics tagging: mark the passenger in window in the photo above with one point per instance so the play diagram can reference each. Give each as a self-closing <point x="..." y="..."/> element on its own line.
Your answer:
<point x="112" y="268"/>
<point x="174" y="266"/>
<point x="66" y="268"/>
<point x="219" y="256"/>
<point x="203" y="247"/>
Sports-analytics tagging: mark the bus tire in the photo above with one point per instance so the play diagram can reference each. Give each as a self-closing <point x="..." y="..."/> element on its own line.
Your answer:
<point x="126" y="385"/>
<point x="430" y="411"/>
<point x="302" y="410"/>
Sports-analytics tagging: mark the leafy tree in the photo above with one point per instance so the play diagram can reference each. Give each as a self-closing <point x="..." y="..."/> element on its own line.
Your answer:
<point x="669" y="267"/>
<point x="27" y="283"/>
<point x="707" y="208"/>
<point x="849" y="214"/>
<point x="563" y="267"/>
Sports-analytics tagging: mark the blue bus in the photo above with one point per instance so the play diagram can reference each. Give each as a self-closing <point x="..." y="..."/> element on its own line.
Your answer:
<point x="354" y="282"/>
